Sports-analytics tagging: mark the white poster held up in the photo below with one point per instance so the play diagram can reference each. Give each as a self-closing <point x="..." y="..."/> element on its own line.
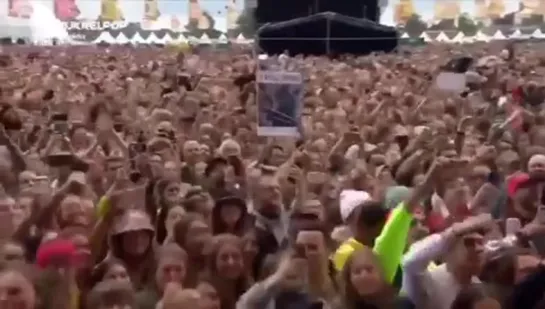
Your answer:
<point x="279" y="103"/>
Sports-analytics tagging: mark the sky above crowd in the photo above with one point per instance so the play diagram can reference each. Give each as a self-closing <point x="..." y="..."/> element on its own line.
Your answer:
<point x="133" y="10"/>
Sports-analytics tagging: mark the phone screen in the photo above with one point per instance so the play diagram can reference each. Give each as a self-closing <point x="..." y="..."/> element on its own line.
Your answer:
<point x="512" y="226"/>
<point x="451" y="82"/>
<point x="60" y="127"/>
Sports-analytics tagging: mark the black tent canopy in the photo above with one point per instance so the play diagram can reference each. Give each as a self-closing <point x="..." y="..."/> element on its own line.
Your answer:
<point x="326" y="33"/>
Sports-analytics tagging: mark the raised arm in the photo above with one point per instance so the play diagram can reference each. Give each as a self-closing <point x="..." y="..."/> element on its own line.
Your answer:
<point x="392" y="241"/>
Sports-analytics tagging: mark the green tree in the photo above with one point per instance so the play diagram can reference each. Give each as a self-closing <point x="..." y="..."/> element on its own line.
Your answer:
<point x="192" y="26"/>
<point x="415" y="25"/>
<point x="534" y="21"/>
<point x="246" y="23"/>
<point x="467" y="25"/>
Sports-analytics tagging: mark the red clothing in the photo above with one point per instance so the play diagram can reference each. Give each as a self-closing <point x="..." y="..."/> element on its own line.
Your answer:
<point x="437" y="223"/>
<point x="66" y="10"/>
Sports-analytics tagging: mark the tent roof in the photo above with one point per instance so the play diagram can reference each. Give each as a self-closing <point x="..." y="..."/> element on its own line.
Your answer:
<point x="331" y="16"/>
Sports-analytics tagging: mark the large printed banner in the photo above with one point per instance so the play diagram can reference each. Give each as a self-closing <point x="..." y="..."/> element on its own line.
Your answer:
<point x="19" y="9"/>
<point x="147" y="15"/>
<point x="86" y="20"/>
<point x="487" y="12"/>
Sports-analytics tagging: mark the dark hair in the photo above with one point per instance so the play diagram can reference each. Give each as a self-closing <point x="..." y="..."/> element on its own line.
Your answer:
<point x="371" y="214"/>
<point x="95" y="110"/>
<point x="219" y="226"/>
<point x="336" y="163"/>
<point x="9" y="117"/>
<point x="98" y="273"/>
<point x="171" y="249"/>
<point x="470" y="295"/>
<point x="182" y="227"/>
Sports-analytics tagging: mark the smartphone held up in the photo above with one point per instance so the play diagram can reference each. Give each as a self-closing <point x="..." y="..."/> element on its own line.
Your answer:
<point x="452" y="77"/>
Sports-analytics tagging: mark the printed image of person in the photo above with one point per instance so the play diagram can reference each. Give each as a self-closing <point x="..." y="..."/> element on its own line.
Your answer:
<point x="20" y="8"/>
<point x="278" y="105"/>
<point x="175" y="23"/>
<point x="197" y="18"/>
<point x="110" y="11"/>
<point x="232" y="14"/>
<point x="481" y="10"/>
<point x="151" y="10"/>
<point x="496" y="9"/>
<point x="530" y="7"/>
<point x="447" y="10"/>
<point x="66" y="10"/>
<point x="404" y="10"/>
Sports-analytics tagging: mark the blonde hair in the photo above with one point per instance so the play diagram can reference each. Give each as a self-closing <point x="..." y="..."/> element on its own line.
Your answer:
<point x="187" y="298"/>
<point x="231" y="144"/>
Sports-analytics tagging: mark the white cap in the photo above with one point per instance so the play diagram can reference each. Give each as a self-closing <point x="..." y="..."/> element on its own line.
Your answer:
<point x="341" y="233"/>
<point x="504" y="54"/>
<point x="352" y="152"/>
<point x="349" y="200"/>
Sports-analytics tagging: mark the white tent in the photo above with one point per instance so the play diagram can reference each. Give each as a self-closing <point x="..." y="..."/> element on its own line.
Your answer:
<point x="424" y="36"/>
<point x="167" y="39"/>
<point x="161" y="40"/>
<point x="222" y="39"/>
<point x="180" y="39"/>
<point x="442" y="37"/>
<point x="137" y="39"/>
<point x="516" y="35"/>
<point x="42" y="26"/>
<point x="405" y="36"/>
<point x="498" y="35"/>
<point x="459" y="38"/>
<point x="104" y="37"/>
<point x="152" y="39"/>
<point x="193" y="40"/>
<point x="537" y="34"/>
<point x="468" y="39"/>
<point x="205" y="39"/>
<point x="242" y="40"/>
<point x="481" y="37"/>
<point x="121" y="39"/>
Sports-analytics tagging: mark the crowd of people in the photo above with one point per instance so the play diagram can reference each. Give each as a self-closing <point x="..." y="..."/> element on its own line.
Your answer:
<point x="134" y="178"/>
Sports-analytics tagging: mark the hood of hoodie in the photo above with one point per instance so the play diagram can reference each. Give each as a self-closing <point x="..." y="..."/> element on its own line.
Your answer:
<point x="131" y="221"/>
<point x="218" y="225"/>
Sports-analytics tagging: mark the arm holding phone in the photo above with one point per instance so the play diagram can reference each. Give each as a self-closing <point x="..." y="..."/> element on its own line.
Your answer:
<point x="262" y="293"/>
<point x="390" y="244"/>
<point x="348" y="139"/>
<point x="106" y="211"/>
<point x="119" y="142"/>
